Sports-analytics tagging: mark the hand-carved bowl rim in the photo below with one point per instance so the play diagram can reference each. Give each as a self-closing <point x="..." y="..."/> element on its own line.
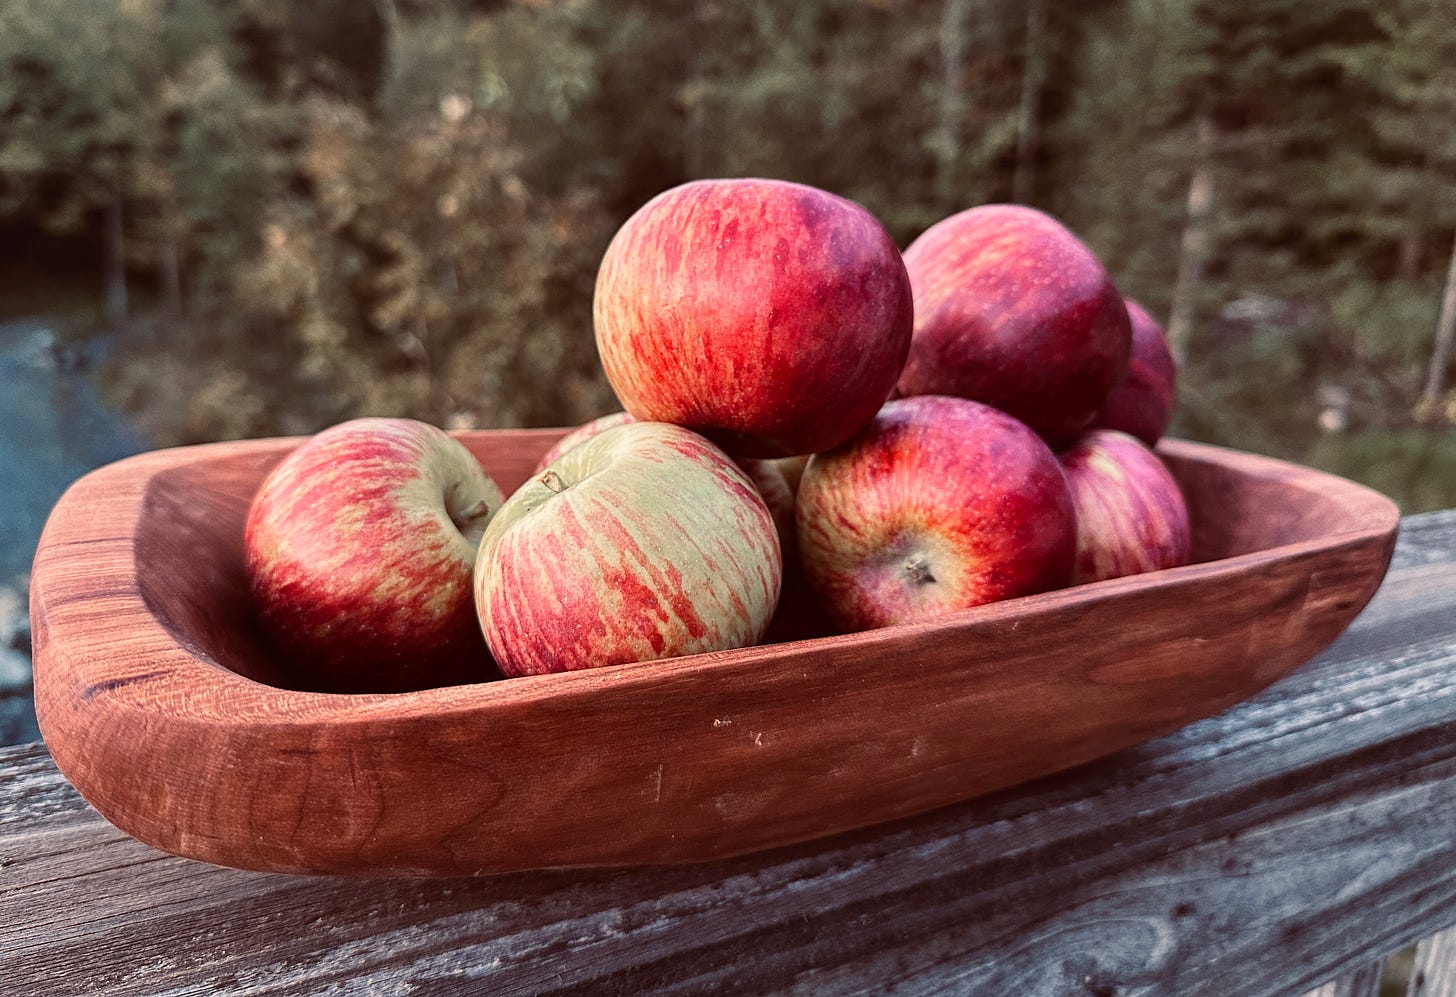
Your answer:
<point x="144" y="648"/>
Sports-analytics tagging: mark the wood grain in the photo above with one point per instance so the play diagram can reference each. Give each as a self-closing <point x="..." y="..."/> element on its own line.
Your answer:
<point x="1295" y="837"/>
<point x="1363" y="982"/>
<point x="1433" y="971"/>
<point x="161" y="703"/>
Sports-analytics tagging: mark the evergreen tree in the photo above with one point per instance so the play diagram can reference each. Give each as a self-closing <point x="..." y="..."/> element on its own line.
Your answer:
<point x="1128" y="141"/>
<point x="399" y="206"/>
<point x="436" y="267"/>
<point x="127" y="119"/>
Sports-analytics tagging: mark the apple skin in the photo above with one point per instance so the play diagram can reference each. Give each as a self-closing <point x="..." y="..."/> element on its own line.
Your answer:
<point x="645" y="541"/>
<point x="1142" y="402"/>
<point x="775" y="478"/>
<point x="1131" y="514"/>
<point x="359" y="549"/>
<point x="1011" y="309"/>
<point x="941" y="504"/>
<point x="580" y="434"/>
<point x="769" y="316"/>
<point x="792" y="468"/>
<point x="799" y="615"/>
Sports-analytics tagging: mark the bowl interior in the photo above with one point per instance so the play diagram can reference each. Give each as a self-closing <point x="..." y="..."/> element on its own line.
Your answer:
<point x="189" y="564"/>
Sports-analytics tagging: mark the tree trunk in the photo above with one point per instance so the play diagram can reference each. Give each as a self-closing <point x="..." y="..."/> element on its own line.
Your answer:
<point x="1411" y="254"/>
<point x="1028" y="130"/>
<point x="389" y="24"/>
<point x="437" y="395"/>
<point x="171" y="266"/>
<point x="695" y="91"/>
<point x="696" y="121"/>
<point x="1196" y="241"/>
<point x="1441" y="350"/>
<point x="949" y="146"/>
<point x="118" y="312"/>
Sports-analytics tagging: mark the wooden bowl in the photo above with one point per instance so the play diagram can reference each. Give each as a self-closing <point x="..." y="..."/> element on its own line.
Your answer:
<point x="160" y="700"/>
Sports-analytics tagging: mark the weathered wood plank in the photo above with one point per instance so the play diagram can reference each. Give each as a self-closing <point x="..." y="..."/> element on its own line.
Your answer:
<point x="1433" y="973"/>
<point x="1295" y="838"/>
<point x="1363" y="982"/>
<point x="138" y="595"/>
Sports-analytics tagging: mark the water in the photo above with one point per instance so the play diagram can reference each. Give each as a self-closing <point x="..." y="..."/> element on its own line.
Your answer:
<point x="53" y="429"/>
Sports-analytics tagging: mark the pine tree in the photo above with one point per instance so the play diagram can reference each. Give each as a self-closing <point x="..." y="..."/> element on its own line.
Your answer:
<point x="121" y="117"/>
<point x="1128" y="141"/>
<point x="1416" y="135"/>
<point x="438" y="268"/>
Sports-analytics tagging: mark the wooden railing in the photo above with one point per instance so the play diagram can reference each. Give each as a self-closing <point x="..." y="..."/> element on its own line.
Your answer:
<point x="1286" y="846"/>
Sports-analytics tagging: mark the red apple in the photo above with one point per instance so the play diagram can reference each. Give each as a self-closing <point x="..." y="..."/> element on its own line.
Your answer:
<point x="359" y="549"/>
<point x="1142" y="402"/>
<point x="799" y="615"/>
<point x="1012" y="310"/>
<point x="939" y="505"/>
<point x="1131" y="515"/>
<point x="777" y="480"/>
<point x="581" y="433"/>
<point x="792" y="468"/>
<point x="769" y="316"/>
<point x="645" y="541"/>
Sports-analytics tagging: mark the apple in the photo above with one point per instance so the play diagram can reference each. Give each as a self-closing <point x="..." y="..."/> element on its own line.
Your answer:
<point x="1012" y="310"/>
<point x="581" y="433"/>
<point x="792" y="468"/>
<point x="941" y="504"/>
<point x="1142" y="402"/>
<point x="645" y="541"/>
<point x="777" y="480"/>
<point x="359" y="549"/>
<point x="1131" y="515"/>
<point x="799" y="616"/>
<point x="769" y="316"/>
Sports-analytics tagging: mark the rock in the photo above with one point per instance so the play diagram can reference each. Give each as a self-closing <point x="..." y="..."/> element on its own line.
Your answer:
<point x="17" y="704"/>
<point x="15" y="668"/>
<point x="15" y="615"/>
<point x="15" y="672"/>
<point x="17" y="720"/>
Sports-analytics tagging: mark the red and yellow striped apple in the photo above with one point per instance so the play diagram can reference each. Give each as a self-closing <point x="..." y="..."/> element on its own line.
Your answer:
<point x="940" y="504"/>
<point x="769" y="316"/>
<point x="1131" y="515"/>
<point x="644" y="541"/>
<point x="359" y="548"/>
<point x="1142" y="402"/>
<point x="776" y="478"/>
<point x="1011" y="309"/>
<point x="580" y="434"/>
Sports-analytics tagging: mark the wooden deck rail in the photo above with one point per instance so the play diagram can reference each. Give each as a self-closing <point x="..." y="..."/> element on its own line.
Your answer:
<point x="1288" y="844"/>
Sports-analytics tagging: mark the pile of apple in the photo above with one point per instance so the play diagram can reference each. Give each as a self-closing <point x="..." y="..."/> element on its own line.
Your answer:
<point x="901" y="435"/>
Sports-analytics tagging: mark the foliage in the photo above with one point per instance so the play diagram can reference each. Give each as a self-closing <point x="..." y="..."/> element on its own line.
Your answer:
<point x="398" y="207"/>
<point x="1418" y="465"/>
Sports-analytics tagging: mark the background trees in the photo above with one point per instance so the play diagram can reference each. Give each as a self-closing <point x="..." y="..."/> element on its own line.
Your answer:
<point x="308" y="211"/>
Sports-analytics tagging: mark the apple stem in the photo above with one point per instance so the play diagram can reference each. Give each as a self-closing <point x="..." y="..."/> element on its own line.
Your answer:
<point x="476" y="511"/>
<point x="468" y="517"/>
<point x="919" y="571"/>
<point x="553" y="481"/>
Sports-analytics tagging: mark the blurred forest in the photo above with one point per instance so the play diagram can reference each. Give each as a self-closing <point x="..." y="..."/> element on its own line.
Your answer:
<point x="302" y="212"/>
